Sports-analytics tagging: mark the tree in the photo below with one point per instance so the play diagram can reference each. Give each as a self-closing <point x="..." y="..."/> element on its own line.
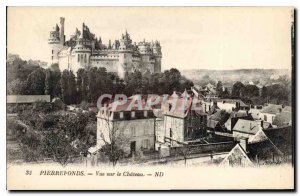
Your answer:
<point x="225" y="94"/>
<point x="17" y="87"/>
<point x="58" y="146"/>
<point x="238" y="89"/>
<point x="114" y="138"/>
<point x="251" y="91"/>
<point x="68" y="87"/>
<point x="264" y="92"/>
<point x="54" y="67"/>
<point x="219" y="88"/>
<point x="36" y="82"/>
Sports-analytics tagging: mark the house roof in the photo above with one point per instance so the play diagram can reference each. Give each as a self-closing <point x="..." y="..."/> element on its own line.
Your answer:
<point x="181" y="109"/>
<point x="263" y="149"/>
<point x="27" y="98"/>
<point x="281" y="137"/>
<point x="247" y="126"/>
<point x="213" y="109"/>
<point x="255" y="113"/>
<point x="271" y="109"/>
<point x="239" y="113"/>
<point x="283" y="118"/>
<point x="287" y="109"/>
<point x="212" y="123"/>
<point x="258" y="137"/>
<point x="237" y="156"/>
<point x="131" y="104"/>
<point x="233" y="101"/>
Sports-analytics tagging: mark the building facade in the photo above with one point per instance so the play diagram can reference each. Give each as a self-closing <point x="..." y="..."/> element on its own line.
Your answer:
<point x="84" y="49"/>
<point x="133" y="130"/>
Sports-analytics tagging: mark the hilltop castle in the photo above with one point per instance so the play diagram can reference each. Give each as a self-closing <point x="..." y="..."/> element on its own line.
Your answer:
<point x="84" y="49"/>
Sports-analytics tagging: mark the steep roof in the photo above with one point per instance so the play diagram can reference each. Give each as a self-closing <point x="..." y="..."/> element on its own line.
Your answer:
<point x="247" y="126"/>
<point x="271" y="109"/>
<point x="255" y="113"/>
<point x="181" y="108"/>
<point x="258" y="137"/>
<point x="283" y="118"/>
<point x="281" y="137"/>
<point x="237" y="157"/>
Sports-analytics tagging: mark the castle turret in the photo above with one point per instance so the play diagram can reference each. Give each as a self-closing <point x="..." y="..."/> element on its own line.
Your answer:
<point x="125" y="55"/>
<point x="55" y="44"/>
<point x="157" y="55"/>
<point x="82" y="49"/>
<point x="62" y="30"/>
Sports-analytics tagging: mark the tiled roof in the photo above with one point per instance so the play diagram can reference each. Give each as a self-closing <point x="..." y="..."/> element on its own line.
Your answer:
<point x="282" y="138"/>
<point x="247" y="126"/>
<point x="283" y="118"/>
<point x="255" y="113"/>
<point x="271" y="109"/>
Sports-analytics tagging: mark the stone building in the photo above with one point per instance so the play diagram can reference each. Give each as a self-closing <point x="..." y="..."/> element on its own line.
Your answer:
<point x="134" y="128"/>
<point x="84" y="49"/>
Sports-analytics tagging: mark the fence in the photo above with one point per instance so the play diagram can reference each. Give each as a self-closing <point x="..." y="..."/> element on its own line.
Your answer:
<point x="203" y="148"/>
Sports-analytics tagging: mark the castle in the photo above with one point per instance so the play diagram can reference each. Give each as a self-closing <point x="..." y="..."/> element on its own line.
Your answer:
<point x="84" y="49"/>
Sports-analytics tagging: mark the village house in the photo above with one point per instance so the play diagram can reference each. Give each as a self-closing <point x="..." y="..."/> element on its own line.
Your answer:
<point x="255" y="111"/>
<point x="182" y="123"/>
<point x="267" y="146"/>
<point x="234" y="117"/>
<point x="133" y="128"/>
<point x="228" y="105"/>
<point x="248" y="128"/>
<point x="269" y="112"/>
<point x="283" y="118"/>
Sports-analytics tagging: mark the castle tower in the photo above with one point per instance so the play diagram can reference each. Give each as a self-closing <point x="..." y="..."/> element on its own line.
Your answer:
<point x="62" y="30"/>
<point x="82" y="50"/>
<point x="158" y="55"/>
<point x="55" y="45"/>
<point x="125" y="55"/>
<point x="146" y="54"/>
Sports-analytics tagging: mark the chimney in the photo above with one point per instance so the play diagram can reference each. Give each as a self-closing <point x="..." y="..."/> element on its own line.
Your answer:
<point x="62" y="30"/>
<point x="237" y="104"/>
<point x="244" y="143"/>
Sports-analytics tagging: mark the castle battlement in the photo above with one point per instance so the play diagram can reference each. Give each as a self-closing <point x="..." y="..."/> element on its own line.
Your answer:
<point x="84" y="49"/>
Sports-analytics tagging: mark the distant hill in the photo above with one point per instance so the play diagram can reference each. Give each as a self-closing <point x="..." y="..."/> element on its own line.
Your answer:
<point x="260" y="76"/>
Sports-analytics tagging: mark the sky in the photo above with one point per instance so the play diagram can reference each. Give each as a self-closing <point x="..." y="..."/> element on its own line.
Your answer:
<point x="218" y="38"/>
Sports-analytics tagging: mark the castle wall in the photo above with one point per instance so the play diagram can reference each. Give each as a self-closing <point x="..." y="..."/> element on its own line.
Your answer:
<point x="111" y="65"/>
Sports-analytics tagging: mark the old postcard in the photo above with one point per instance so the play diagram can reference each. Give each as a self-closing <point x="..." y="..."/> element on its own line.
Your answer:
<point x="150" y="98"/>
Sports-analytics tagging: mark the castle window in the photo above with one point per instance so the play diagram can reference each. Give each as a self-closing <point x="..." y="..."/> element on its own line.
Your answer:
<point x="85" y="58"/>
<point x="52" y="57"/>
<point x="52" y="51"/>
<point x="78" y="58"/>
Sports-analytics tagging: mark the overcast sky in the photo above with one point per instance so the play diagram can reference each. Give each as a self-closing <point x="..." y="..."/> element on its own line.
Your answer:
<point x="191" y="37"/>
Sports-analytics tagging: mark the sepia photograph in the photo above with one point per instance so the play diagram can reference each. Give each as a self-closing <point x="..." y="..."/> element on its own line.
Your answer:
<point x="150" y="98"/>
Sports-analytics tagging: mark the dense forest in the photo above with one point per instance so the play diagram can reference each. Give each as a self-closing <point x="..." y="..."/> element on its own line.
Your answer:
<point x="87" y="84"/>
